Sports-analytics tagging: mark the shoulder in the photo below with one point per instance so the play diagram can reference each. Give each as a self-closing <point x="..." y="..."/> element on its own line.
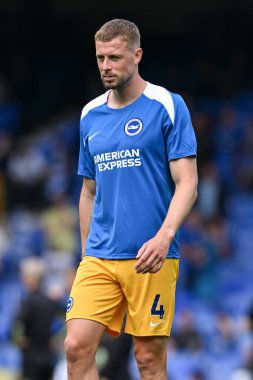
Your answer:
<point x="99" y="101"/>
<point x="170" y="101"/>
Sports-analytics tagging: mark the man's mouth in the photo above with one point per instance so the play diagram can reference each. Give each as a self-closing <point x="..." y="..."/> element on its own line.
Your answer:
<point x="108" y="77"/>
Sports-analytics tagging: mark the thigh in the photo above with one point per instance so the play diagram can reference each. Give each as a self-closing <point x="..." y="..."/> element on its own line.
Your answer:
<point x="150" y="298"/>
<point x="96" y="295"/>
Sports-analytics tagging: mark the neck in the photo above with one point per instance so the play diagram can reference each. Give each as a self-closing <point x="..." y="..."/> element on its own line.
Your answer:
<point x="119" y="98"/>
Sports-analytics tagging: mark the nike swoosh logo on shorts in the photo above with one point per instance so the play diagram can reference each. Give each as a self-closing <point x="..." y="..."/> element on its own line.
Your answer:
<point x="153" y="324"/>
<point x="94" y="134"/>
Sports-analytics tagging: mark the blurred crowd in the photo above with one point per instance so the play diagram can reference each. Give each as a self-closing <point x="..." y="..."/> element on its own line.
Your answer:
<point x="212" y="337"/>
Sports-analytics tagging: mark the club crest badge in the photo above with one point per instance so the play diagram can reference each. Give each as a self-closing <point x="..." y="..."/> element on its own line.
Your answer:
<point x="133" y="127"/>
<point x="70" y="304"/>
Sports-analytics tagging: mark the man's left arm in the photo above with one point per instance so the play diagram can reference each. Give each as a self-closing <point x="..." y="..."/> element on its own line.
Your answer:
<point x="153" y="253"/>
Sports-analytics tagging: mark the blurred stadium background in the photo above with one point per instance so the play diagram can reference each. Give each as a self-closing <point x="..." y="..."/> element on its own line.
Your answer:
<point x="200" y="49"/>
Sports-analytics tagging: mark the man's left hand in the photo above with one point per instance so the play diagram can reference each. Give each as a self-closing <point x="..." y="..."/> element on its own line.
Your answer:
<point x="153" y="253"/>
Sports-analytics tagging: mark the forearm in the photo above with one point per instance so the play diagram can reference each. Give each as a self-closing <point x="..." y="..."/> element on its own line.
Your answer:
<point x="85" y="212"/>
<point x="180" y="206"/>
<point x="153" y="252"/>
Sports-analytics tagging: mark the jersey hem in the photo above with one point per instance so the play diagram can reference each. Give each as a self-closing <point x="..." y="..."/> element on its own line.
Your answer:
<point x="125" y="256"/>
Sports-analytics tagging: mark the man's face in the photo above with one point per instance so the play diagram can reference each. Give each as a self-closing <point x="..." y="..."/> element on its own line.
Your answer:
<point x="117" y="63"/>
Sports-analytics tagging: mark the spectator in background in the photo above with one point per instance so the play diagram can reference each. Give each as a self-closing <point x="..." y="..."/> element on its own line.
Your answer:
<point x="200" y="259"/>
<point x="198" y="375"/>
<point x="209" y="191"/>
<point x="241" y="374"/>
<point x="202" y="270"/>
<point x="118" y="353"/>
<point x="218" y="232"/>
<point x="33" y="326"/>
<point x="26" y="173"/>
<point x="229" y="138"/>
<point x="10" y="123"/>
<point x="243" y="169"/>
<point x="187" y="337"/>
<point x="223" y="342"/>
<point x="203" y="126"/>
<point x="60" y="221"/>
<point x="247" y="342"/>
<point x="249" y="358"/>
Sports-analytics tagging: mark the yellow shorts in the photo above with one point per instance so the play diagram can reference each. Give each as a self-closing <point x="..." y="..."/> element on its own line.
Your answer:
<point x="104" y="290"/>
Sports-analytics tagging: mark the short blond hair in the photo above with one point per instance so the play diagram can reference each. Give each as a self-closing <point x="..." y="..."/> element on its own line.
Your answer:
<point x="119" y="28"/>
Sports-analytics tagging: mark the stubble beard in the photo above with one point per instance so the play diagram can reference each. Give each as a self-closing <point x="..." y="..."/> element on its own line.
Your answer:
<point x="120" y="83"/>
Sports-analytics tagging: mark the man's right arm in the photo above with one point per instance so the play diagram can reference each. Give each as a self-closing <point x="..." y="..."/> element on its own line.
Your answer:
<point x="85" y="208"/>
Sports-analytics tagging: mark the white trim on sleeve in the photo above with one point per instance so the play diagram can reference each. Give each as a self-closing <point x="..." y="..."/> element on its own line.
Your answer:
<point x="94" y="103"/>
<point x="162" y="96"/>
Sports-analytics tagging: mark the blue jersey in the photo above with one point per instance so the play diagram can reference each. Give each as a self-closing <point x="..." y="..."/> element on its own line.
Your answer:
<point x="127" y="151"/>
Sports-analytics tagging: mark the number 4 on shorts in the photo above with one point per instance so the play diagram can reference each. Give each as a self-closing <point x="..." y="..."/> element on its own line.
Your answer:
<point x="155" y="310"/>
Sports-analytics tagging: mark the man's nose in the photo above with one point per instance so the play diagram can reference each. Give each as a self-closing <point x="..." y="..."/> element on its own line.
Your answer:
<point x="106" y="65"/>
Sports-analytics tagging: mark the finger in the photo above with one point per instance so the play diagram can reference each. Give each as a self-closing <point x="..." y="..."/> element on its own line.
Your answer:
<point x="153" y="267"/>
<point x="143" y="255"/>
<point x="152" y="260"/>
<point x="142" y="250"/>
<point x="147" y="270"/>
<point x="141" y="269"/>
<point x="157" y="267"/>
<point x="149" y="264"/>
<point x="143" y="258"/>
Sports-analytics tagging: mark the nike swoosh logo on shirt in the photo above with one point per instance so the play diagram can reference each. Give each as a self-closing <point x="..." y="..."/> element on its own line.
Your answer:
<point x="94" y="134"/>
<point x="153" y="324"/>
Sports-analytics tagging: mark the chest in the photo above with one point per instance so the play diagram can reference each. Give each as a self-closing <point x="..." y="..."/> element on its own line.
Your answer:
<point x="138" y="128"/>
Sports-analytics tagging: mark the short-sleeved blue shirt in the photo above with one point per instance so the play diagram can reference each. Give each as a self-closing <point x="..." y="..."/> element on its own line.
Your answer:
<point x="127" y="151"/>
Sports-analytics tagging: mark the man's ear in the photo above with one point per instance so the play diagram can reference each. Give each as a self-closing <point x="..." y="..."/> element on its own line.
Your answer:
<point x="138" y="55"/>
